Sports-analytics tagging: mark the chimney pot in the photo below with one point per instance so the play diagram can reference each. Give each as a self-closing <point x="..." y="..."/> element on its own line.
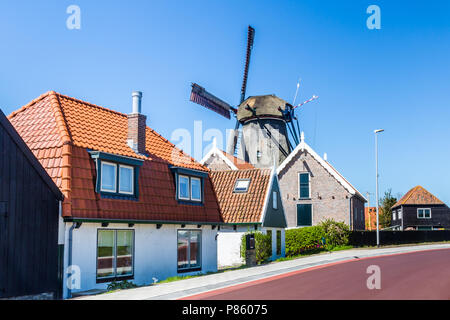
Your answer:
<point x="137" y="99"/>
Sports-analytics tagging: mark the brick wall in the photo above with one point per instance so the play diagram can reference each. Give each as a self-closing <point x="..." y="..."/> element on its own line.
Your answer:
<point x="329" y="198"/>
<point x="136" y="131"/>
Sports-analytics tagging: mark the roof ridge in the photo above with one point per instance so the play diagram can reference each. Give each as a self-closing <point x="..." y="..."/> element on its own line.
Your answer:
<point x="90" y="104"/>
<point x="411" y="193"/>
<point x="60" y="117"/>
<point x="29" y="104"/>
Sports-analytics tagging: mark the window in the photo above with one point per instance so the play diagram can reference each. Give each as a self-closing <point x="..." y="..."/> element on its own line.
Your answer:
<point x="115" y="254"/>
<point x="278" y="242"/>
<point x="304" y="186"/>
<point x="189" y="188"/>
<point x="399" y="213"/>
<point x="108" y="177"/>
<point x="424" y="213"/>
<point x="304" y="214"/>
<point x="196" y="189"/>
<point x="183" y="187"/>
<point x="189" y="250"/>
<point x="242" y="185"/>
<point x="126" y="179"/>
<point x="393" y="215"/>
<point x="275" y="200"/>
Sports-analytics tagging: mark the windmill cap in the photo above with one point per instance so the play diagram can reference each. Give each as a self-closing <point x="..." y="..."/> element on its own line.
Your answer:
<point x="265" y="106"/>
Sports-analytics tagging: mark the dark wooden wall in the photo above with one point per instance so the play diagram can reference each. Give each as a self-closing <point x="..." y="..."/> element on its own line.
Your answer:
<point x="440" y="216"/>
<point x="28" y="225"/>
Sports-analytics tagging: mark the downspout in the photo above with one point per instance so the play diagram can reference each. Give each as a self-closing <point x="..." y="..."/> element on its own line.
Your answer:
<point x="69" y="259"/>
<point x="350" y="213"/>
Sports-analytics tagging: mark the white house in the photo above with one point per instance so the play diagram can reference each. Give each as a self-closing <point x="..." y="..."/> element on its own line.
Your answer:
<point x="135" y="207"/>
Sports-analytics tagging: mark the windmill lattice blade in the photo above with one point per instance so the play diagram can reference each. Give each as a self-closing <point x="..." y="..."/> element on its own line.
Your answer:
<point x="250" y="38"/>
<point x="202" y="97"/>
<point x="307" y="101"/>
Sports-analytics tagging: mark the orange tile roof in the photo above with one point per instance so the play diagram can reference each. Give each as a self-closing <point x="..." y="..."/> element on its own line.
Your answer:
<point x="370" y="216"/>
<point x="418" y="196"/>
<point x="59" y="130"/>
<point x="241" y="207"/>
<point x="239" y="163"/>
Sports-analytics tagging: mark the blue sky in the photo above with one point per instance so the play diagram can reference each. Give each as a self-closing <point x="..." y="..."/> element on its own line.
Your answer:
<point x="396" y="78"/>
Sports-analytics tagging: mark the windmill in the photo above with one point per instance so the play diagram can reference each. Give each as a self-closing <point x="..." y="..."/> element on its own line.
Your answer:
<point x="268" y="130"/>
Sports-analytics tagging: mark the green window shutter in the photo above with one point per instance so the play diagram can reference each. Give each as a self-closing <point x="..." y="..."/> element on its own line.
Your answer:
<point x="304" y="214"/>
<point x="304" y="185"/>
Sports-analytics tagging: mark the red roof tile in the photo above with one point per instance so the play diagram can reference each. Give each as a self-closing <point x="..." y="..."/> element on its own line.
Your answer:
<point x="239" y="163"/>
<point x="241" y="207"/>
<point x="418" y="196"/>
<point x="59" y="129"/>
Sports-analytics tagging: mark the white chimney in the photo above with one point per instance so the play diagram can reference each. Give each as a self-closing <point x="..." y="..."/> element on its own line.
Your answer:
<point x="325" y="156"/>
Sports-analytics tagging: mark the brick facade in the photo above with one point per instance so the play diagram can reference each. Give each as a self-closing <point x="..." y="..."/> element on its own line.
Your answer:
<point x="328" y="197"/>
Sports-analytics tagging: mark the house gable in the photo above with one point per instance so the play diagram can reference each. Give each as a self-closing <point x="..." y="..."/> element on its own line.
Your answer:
<point x="274" y="218"/>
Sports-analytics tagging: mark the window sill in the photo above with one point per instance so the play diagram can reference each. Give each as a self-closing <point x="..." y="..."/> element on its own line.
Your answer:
<point x="190" y="202"/>
<point x="189" y="270"/>
<point x="103" y="280"/>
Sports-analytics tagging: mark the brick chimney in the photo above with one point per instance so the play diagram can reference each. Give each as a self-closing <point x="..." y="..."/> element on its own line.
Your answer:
<point x="137" y="125"/>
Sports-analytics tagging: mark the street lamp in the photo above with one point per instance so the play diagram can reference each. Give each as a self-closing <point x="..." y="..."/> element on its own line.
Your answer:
<point x="376" y="170"/>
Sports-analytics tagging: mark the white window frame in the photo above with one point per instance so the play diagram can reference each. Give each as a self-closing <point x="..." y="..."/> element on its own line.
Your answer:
<point x="394" y="215"/>
<point x="115" y="177"/>
<point x="309" y="185"/>
<point x="275" y="200"/>
<point x="132" y="179"/>
<point x="179" y="189"/>
<point x="400" y="214"/>
<point x="423" y="213"/>
<point x="190" y="188"/>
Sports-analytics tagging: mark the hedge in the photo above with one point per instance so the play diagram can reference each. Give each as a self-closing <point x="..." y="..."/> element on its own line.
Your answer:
<point x="263" y="246"/>
<point x="325" y="236"/>
<point x="304" y="239"/>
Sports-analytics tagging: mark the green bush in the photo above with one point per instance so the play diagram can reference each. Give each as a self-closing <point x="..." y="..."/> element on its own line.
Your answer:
<point x="263" y="246"/>
<point x="336" y="233"/>
<point x="121" y="285"/>
<point x="307" y="239"/>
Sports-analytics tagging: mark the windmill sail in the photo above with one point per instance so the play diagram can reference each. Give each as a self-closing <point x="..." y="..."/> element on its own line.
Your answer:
<point x="202" y="97"/>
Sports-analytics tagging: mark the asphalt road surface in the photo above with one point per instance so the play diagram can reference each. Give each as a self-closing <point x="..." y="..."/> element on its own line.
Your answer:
<point x="416" y="275"/>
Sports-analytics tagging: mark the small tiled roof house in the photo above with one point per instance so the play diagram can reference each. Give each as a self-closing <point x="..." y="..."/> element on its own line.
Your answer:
<point x="418" y="209"/>
<point x="249" y="200"/>
<point x="29" y="216"/>
<point x="135" y="206"/>
<point x="313" y="190"/>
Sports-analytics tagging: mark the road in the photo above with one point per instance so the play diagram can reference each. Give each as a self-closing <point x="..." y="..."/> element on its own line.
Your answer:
<point x="415" y="275"/>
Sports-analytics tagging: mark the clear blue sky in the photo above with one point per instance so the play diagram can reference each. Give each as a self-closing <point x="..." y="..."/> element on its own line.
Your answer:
<point x="396" y="78"/>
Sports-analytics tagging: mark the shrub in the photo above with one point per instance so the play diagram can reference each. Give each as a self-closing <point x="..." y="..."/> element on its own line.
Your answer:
<point x="307" y="239"/>
<point x="121" y="285"/>
<point x="336" y="233"/>
<point x="263" y="246"/>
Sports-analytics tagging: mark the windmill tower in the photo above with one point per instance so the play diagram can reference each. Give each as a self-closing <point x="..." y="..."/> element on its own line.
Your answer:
<point x="268" y="131"/>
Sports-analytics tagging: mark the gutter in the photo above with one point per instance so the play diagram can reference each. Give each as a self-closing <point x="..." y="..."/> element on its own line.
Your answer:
<point x="124" y="221"/>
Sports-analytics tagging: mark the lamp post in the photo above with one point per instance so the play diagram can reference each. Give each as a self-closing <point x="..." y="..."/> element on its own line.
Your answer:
<point x="376" y="170"/>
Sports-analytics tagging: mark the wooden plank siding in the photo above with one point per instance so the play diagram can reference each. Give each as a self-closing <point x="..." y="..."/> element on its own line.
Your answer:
<point x="29" y="226"/>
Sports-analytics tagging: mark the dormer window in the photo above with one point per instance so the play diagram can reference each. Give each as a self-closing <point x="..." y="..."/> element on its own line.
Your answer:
<point x="189" y="185"/>
<point x="117" y="176"/>
<point x="189" y="188"/>
<point x="241" y="185"/>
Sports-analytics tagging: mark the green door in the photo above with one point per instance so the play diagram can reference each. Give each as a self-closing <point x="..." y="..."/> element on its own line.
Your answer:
<point x="304" y="214"/>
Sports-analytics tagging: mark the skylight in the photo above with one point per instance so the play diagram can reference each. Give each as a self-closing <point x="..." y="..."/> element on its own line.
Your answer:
<point x="242" y="185"/>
